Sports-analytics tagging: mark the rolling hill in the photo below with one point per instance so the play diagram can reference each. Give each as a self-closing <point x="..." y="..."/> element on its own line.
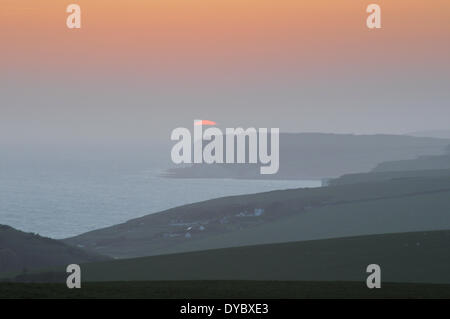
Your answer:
<point x="421" y="163"/>
<point x="375" y="207"/>
<point x="380" y="176"/>
<point x="418" y="257"/>
<point x="22" y="252"/>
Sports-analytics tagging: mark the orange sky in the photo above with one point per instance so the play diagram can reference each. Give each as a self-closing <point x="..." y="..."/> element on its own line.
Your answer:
<point x="213" y="59"/>
<point x="217" y="36"/>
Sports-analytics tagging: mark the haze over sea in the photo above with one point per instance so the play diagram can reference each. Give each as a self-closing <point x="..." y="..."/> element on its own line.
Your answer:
<point x="59" y="193"/>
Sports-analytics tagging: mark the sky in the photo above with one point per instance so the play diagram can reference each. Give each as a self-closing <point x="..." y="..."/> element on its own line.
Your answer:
<point x="138" y="69"/>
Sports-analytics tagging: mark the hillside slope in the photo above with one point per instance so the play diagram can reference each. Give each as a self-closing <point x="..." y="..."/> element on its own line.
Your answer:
<point x="382" y="176"/>
<point x="421" y="163"/>
<point x="22" y="252"/>
<point x="407" y="257"/>
<point x="395" y="205"/>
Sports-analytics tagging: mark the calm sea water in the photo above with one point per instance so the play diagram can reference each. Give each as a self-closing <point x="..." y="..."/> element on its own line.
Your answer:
<point x="59" y="194"/>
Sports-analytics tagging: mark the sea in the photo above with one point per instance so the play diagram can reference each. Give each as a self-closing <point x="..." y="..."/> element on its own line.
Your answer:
<point x="60" y="192"/>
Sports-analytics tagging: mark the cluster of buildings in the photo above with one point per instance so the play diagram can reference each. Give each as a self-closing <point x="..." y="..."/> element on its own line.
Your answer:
<point x="187" y="230"/>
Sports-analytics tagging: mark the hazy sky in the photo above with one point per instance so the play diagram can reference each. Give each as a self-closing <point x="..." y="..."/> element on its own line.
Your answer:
<point x="137" y="69"/>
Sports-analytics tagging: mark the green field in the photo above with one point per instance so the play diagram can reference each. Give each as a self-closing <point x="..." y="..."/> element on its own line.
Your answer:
<point x="388" y="206"/>
<point x="386" y="215"/>
<point x="420" y="257"/>
<point x="224" y="290"/>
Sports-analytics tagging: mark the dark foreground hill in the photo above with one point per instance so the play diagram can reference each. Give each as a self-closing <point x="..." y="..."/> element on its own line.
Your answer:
<point x="408" y="257"/>
<point x="419" y="257"/>
<point x="21" y="252"/>
<point x="223" y="290"/>
<point x="388" y="205"/>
